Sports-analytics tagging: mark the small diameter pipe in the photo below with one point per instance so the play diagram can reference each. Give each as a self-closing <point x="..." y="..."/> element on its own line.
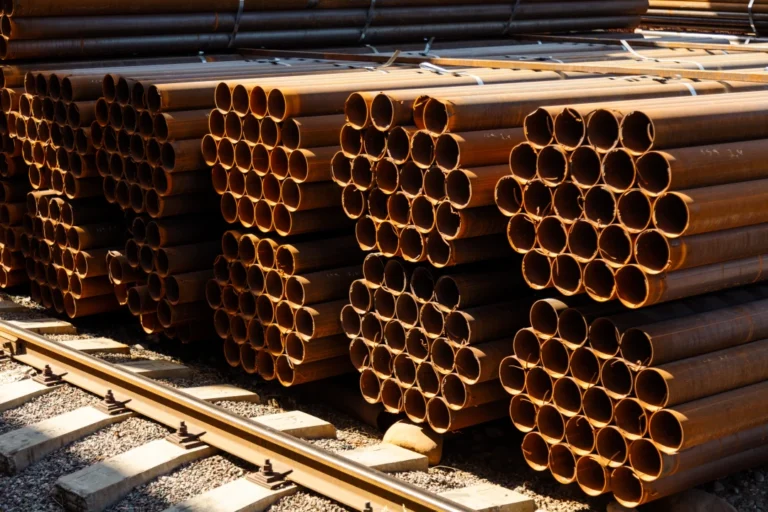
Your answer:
<point x="585" y="167"/>
<point x="567" y="397"/>
<point x="562" y="463"/>
<point x="615" y="245"/>
<point x="593" y="478"/>
<point x="536" y="451"/>
<point x="555" y="358"/>
<point x="509" y="196"/>
<point x="600" y="281"/>
<point x="568" y="202"/>
<point x="522" y="162"/>
<point x="537" y="270"/>
<point x="631" y="419"/>
<point x="598" y="407"/>
<point x="551" y="424"/>
<point x="583" y="241"/>
<point x="512" y="375"/>
<point x="580" y="435"/>
<point x="567" y="275"/>
<point x="523" y="412"/>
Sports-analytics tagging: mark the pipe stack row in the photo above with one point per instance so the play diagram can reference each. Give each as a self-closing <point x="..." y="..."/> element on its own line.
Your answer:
<point x="418" y="166"/>
<point x="65" y="245"/>
<point x="161" y="274"/>
<point x="429" y="343"/>
<point x="642" y="404"/>
<point x="277" y="304"/>
<point x="274" y="141"/>
<point x="14" y="185"/>
<point x="640" y="200"/>
<point x="45" y="29"/>
<point x="738" y="16"/>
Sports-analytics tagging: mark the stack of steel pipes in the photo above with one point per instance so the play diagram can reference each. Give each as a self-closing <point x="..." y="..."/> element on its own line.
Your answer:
<point x="431" y="346"/>
<point x="14" y="186"/>
<point x="418" y="167"/>
<point x="162" y="273"/>
<point x="148" y="127"/>
<point x="40" y="29"/>
<point x="734" y="16"/>
<point x="278" y="304"/>
<point x="642" y="404"/>
<point x="66" y="243"/>
<point x="640" y="200"/>
<point x="273" y="142"/>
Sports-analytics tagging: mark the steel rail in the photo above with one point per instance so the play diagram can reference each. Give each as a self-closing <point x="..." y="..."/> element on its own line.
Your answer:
<point x="330" y="475"/>
<point x="582" y="67"/>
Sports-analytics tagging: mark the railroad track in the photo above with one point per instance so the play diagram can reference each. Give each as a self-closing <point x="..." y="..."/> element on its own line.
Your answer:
<point x="286" y="463"/>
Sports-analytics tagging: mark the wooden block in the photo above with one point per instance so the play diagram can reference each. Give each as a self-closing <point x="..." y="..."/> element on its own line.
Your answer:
<point x="20" y="448"/>
<point x="298" y="424"/>
<point x="95" y="345"/>
<point x="490" y="498"/>
<point x="156" y="369"/>
<point x="238" y="496"/>
<point x="16" y="393"/>
<point x="8" y="306"/>
<point x="388" y="458"/>
<point x="220" y="392"/>
<point x="45" y="326"/>
<point x="98" y="486"/>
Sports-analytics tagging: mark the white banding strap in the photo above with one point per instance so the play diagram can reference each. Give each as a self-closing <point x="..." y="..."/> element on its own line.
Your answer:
<point x="368" y="20"/>
<point x="279" y="62"/>
<point x="238" y="17"/>
<point x="752" y="17"/>
<point x="203" y="59"/>
<point x="442" y="71"/>
<point x="382" y="68"/>
<point x="512" y="18"/>
<point x="372" y="48"/>
<point x="690" y="88"/>
<point x="631" y="50"/>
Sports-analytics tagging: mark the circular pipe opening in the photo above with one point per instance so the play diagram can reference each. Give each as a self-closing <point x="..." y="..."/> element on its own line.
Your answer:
<point x="632" y="286"/>
<point x="580" y="435"/>
<point x="604" y="337"/>
<point x="598" y="407"/>
<point x="603" y="131"/>
<point x="599" y="281"/>
<point x="631" y="418"/>
<point x="522" y="162"/>
<point x="523" y="413"/>
<point x="637" y="132"/>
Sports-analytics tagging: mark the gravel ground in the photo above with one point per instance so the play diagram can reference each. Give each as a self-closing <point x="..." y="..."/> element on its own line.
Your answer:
<point x="31" y="489"/>
<point x="59" y="401"/>
<point x="470" y="457"/>
<point x="184" y="483"/>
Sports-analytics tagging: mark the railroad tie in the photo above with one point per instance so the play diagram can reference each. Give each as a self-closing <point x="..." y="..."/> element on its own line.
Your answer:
<point x="22" y="447"/>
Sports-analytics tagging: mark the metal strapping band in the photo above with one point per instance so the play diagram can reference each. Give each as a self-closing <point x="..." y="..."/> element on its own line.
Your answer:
<point x="368" y="20"/>
<point x="381" y="68"/>
<point x="442" y="71"/>
<point x="279" y="62"/>
<point x="752" y="17"/>
<point x="631" y="50"/>
<point x="428" y="46"/>
<point x="238" y="17"/>
<point x="203" y="59"/>
<point x="511" y="18"/>
<point x="372" y="48"/>
<point x="690" y="88"/>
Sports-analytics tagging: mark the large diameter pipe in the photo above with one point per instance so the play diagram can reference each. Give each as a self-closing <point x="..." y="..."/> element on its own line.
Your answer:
<point x="701" y="166"/>
<point x="737" y="118"/>
<point x="651" y="464"/>
<point x="698" y="377"/>
<point x="702" y="210"/>
<point x="695" y="423"/>
<point x="690" y="336"/>
<point x="629" y="490"/>
<point x="637" y="289"/>
<point x="655" y="253"/>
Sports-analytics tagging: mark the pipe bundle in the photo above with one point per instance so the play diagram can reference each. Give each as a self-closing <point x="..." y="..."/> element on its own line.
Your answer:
<point x="642" y="404"/>
<point x="14" y="186"/>
<point x="40" y="29"/>
<point x="429" y="343"/>
<point x="162" y="272"/>
<point x="640" y="200"/>
<point x="418" y="167"/>
<point x="734" y="16"/>
<point x="65" y="245"/>
<point x="278" y="303"/>
<point x="273" y="142"/>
